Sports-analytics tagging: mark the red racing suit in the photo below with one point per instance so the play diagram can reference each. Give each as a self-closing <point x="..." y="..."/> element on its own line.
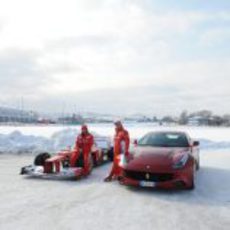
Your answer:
<point x="84" y="142"/>
<point x="121" y="146"/>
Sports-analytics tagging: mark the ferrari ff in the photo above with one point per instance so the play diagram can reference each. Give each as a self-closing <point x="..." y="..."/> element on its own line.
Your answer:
<point x="162" y="159"/>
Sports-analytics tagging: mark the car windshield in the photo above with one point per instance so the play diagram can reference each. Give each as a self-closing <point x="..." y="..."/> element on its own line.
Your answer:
<point x="164" y="140"/>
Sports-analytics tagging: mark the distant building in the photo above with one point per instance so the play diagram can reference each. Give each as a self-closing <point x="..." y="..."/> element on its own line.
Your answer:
<point x="138" y="118"/>
<point x="8" y="115"/>
<point x="74" y="119"/>
<point x="198" y="120"/>
<point x="46" y="121"/>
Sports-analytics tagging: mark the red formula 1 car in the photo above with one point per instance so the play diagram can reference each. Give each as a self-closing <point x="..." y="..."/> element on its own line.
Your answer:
<point x="162" y="160"/>
<point x="58" y="166"/>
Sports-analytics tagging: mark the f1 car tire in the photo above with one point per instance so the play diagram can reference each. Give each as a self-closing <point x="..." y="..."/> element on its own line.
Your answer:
<point x="41" y="158"/>
<point x="91" y="165"/>
<point x="110" y="154"/>
<point x="80" y="162"/>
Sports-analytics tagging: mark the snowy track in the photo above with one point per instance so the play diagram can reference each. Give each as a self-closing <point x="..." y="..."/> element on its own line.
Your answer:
<point x="93" y="204"/>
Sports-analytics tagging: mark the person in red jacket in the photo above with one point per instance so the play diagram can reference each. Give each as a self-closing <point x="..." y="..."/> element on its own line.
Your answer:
<point x="84" y="143"/>
<point x="121" y="146"/>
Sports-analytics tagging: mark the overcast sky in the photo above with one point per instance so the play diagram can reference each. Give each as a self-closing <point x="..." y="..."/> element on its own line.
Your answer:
<point x="115" y="56"/>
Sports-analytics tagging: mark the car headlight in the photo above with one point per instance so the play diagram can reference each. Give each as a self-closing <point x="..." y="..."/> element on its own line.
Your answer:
<point x="181" y="161"/>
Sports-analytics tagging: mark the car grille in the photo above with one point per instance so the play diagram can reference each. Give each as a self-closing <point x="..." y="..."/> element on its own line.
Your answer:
<point x="155" y="177"/>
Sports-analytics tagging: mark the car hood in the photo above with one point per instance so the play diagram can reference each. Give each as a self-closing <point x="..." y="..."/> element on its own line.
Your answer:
<point x="157" y="158"/>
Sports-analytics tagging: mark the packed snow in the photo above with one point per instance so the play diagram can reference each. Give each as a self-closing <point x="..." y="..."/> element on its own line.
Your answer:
<point x="37" y="139"/>
<point x="92" y="204"/>
<point x="18" y="143"/>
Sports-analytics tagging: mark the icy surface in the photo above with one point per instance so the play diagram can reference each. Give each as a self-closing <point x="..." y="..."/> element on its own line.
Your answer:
<point x="92" y="204"/>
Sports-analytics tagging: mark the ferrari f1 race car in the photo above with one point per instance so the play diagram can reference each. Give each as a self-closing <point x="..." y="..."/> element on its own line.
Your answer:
<point x="57" y="166"/>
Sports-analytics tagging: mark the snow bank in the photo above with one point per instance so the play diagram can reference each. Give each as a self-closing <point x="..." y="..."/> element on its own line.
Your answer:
<point x="208" y="144"/>
<point x="17" y="143"/>
<point x="64" y="138"/>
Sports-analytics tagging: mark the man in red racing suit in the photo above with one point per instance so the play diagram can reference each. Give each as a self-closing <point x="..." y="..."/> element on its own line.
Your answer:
<point x="84" y="143"/>
<point x="121" y="146"/>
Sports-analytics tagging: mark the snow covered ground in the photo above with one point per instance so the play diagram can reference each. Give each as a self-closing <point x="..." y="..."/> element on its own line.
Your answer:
<point x="34" y="139"/>
<point x="93" y="204"/>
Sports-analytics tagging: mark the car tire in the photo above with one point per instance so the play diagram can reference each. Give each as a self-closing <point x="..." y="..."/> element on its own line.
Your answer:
<point x="97" y="162"/>
<point x="192" y="185"/>
<point x="41" y="158"/>
<point x="197" y="164"/>
<point x="110" y="154"/>
<point x="91" y="163"/>
<point x="80" y="162"/>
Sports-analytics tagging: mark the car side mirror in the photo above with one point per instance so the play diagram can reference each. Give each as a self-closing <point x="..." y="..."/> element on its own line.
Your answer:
<point x="196" y="143"/>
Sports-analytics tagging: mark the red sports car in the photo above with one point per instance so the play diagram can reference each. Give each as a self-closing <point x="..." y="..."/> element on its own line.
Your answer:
<point x="162" y="160"/>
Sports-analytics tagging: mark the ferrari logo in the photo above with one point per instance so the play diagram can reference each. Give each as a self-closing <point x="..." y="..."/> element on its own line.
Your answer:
<point x="147" y="176"/>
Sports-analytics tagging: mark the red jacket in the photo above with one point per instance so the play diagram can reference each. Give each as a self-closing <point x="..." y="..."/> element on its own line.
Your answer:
<point x="121" y="142"/>
<point x="85" y="142"/>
